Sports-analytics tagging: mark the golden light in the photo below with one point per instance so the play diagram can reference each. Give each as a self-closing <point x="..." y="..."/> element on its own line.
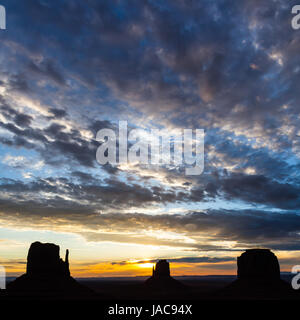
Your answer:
<point x="145" y="265"/>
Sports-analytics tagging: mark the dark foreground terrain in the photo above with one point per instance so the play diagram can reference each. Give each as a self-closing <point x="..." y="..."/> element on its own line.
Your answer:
<point x="194" y="288"/>
<point x="134" y="288"/>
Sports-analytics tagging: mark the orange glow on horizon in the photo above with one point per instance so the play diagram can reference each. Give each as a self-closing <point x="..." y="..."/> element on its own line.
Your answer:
<point x="145" y="265"/>
<point x="134" y="268"/>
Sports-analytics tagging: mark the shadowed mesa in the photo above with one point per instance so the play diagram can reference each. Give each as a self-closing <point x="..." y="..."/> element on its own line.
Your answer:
<point x="258" y="277"/>
<point x="258" y="263"/>
<point x="161" y="278"/>
<point x="43" y="259"/>
<point x="47" y="273"/>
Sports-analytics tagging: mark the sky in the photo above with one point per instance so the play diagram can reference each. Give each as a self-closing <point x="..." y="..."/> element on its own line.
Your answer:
<point x="69" y="68"/>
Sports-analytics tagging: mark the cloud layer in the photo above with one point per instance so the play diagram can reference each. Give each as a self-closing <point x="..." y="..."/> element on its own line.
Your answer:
<point x="71" y="68"/>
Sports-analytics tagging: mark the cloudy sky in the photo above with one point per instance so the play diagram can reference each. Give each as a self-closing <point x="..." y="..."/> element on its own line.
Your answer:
<point x="69" y="68"/>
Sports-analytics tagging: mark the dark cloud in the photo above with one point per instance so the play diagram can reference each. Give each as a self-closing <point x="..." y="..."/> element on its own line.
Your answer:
<point x="23" y="120"/>
<point x="48" y="69"/>
<point x="18" y="82"/>
<point x="102" y="194"/>
<point x="20" y="119"/>
<point x="84" y="177"/>
<point x="181" y="260"/>
<point x="247" y="228"/>
<point x="58" y="113"/>
<point x="101" y="124"/>
<point x="29" y="133"/>
<point x="79" y="205"/>
<point x="259" y="189"/>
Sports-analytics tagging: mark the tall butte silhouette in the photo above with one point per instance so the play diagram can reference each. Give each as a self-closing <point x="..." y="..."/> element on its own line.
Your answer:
<point x="47" y="273"/>
<point x="258" y="277"/>
<point x="161" y="278"/>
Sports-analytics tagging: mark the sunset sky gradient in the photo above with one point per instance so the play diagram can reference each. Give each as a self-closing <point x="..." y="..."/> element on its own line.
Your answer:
<point x="69" y="68"/>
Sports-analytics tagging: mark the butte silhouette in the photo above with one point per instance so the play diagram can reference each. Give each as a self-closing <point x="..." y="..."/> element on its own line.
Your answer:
<point x="46" y="274"/>
<point x="161" y="278"/>
<point x="258" y="277"/>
